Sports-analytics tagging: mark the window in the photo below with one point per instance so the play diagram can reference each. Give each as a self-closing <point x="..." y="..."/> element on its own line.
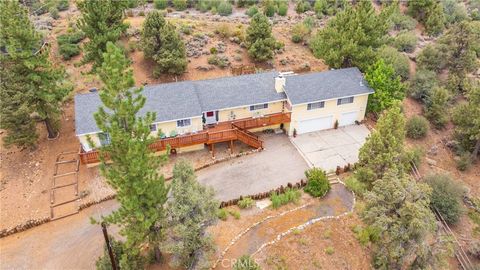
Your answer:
<point x="183" y="123"/>
<point x="153" y="127"/>
<point x="258" y="107"/>
<point x="315" y="105"/>
<point x="346" y="100"/>
<point x="104" y="138"/>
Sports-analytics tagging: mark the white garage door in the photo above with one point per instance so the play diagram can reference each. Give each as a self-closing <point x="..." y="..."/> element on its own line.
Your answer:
<point x="348" y="118"/>
<point x="315" y="124"/>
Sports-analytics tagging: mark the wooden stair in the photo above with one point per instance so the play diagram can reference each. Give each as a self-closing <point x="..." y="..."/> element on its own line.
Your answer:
<point x="64" y="191"/>
<point x="333" y="178"/>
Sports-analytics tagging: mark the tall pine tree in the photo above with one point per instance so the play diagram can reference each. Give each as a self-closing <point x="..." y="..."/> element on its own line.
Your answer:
<point x="133" y="173"/>
<point x="467" y="121"/>
<point x="351" y="37"/>
<point x="397" y="210"/>
<point x="260" y="41"/>
<point x="384" y="147"/>
<point x="102" y="22"/>
<point x="30" y="82"/>
<point x="162" y="43"/>
<point x="191" y="210"/>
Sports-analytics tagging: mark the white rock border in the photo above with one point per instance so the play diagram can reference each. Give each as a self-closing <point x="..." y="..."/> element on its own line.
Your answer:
<point x="280" y="236"/>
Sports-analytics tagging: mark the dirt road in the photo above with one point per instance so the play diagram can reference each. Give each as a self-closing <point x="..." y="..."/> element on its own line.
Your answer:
<point x="70" y="243"/>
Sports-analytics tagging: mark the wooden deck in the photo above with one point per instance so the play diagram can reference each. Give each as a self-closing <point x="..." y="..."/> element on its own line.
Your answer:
<point x="222" y="132"/>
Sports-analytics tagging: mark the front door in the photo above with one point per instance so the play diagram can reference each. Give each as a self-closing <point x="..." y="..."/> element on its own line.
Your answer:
<point x="211" y="117"/>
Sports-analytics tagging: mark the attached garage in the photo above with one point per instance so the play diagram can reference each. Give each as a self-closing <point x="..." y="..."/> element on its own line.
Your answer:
<point x="348" y="118"/>
<point x="315" y="124"/>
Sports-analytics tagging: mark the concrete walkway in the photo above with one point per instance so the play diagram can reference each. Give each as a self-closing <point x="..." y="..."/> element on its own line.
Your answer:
<point x="328" y="149"/>
<point x="279" y="164"/>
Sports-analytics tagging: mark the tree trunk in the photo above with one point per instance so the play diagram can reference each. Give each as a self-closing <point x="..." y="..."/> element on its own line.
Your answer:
<point x="51" y="131"/>
<point x="158" y="254"/>
<point x="476" y="150"/>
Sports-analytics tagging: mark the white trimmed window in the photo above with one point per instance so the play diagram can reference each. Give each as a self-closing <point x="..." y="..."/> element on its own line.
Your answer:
<point x="104" y="138"/>
<point x="184" y="123"/>
<point x="259" y="107"/>
<point x="153" y="127"/>
<point x="346" y="100"/>
<point x="315" y="105"/>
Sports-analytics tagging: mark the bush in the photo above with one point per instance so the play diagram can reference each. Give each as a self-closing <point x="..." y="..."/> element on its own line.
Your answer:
<point x="54" y="13"/>
<point x="246" y="263"/>
<point x="74" y="37"/>
<point x="413" y="155"/>
<point x="63" y="5"/>
<point x="356" y="186"/>
<point x="432" y="57"/>
<point x="365" y="235"/>
<point x="224" y="8"/>
<point x="252" y="11"/>
<point x="403" y="22"/>
<point x="464" y="162"/>
<point x="405" y="42"/>
<point x="222" y="214"/>
<point x="318" y="184"/>
<point x="223" y="30"/>
<point x="67" y="51"/>
<point x="217" y="61"/>
<point x="290" y="195"/>
<point x="246" y="203"/>
<point x="282" y="9"/>
<point x="299" y="32"/>
<point x="399" y="61"/>
<point x="446" y="197"/>
<point x="160" y="4"/>
<point x="186" y="29"/>
<point x="329" y="250"/>
<point x="474" y="249"/>
<point x="422" y="83"/>
<point x="302" y="6"/>
<point x="179" y="4"/>
<point x="234" y="214"/>
<point x="436" y="107"/>
<point x="416" y="127"/>
<point x="269" y="8"/>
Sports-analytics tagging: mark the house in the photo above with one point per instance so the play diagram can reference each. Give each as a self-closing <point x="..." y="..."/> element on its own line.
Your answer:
<point x="192" y="114"/>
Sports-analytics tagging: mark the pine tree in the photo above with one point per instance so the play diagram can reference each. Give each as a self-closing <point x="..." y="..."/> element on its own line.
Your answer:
<point x="30" y="83"/>
<point x="435" y="22"/>
<point x="351" y="37"/>
<point x="384" y="147"/>
<point x="133" y="174"/>
<point x="191" y="210"/>
<point x="397" y="210"/>
<point x="466" y="118"/>
<point x="436" y="107"/>
<point x="260" y="41"/>
<point x="388" y="87"/>
<point x="163" y="44"/>
<point x="102" y="22"/>
<point x="460" y="41"/>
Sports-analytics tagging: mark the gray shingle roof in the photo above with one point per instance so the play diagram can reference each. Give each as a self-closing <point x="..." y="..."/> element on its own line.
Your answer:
<point x="229" y="92"/>
<point x="169" y="101"/>
<point x="319" y="86"/>
<point x="172" y="101"/>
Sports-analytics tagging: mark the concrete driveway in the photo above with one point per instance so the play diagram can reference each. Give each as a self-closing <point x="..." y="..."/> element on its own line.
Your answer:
<point x="279" y="164"/>
<point x="328" y="149"/>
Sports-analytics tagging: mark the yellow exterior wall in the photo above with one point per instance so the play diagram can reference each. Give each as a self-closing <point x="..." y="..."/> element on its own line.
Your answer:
<point x="165" y="127"/>
<point x="300" y="112"/>
<point x="168" y="127"/>
<point x="244" y="112"/>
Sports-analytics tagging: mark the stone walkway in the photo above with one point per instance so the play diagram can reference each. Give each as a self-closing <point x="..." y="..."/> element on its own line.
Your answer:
<point x="337" y="202"/>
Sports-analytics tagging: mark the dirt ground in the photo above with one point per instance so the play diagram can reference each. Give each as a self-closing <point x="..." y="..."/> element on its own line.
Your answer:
<point x="26" y="176"/>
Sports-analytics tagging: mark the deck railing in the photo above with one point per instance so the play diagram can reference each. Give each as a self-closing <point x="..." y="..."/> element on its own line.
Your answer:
<point x="225" y="131"/>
